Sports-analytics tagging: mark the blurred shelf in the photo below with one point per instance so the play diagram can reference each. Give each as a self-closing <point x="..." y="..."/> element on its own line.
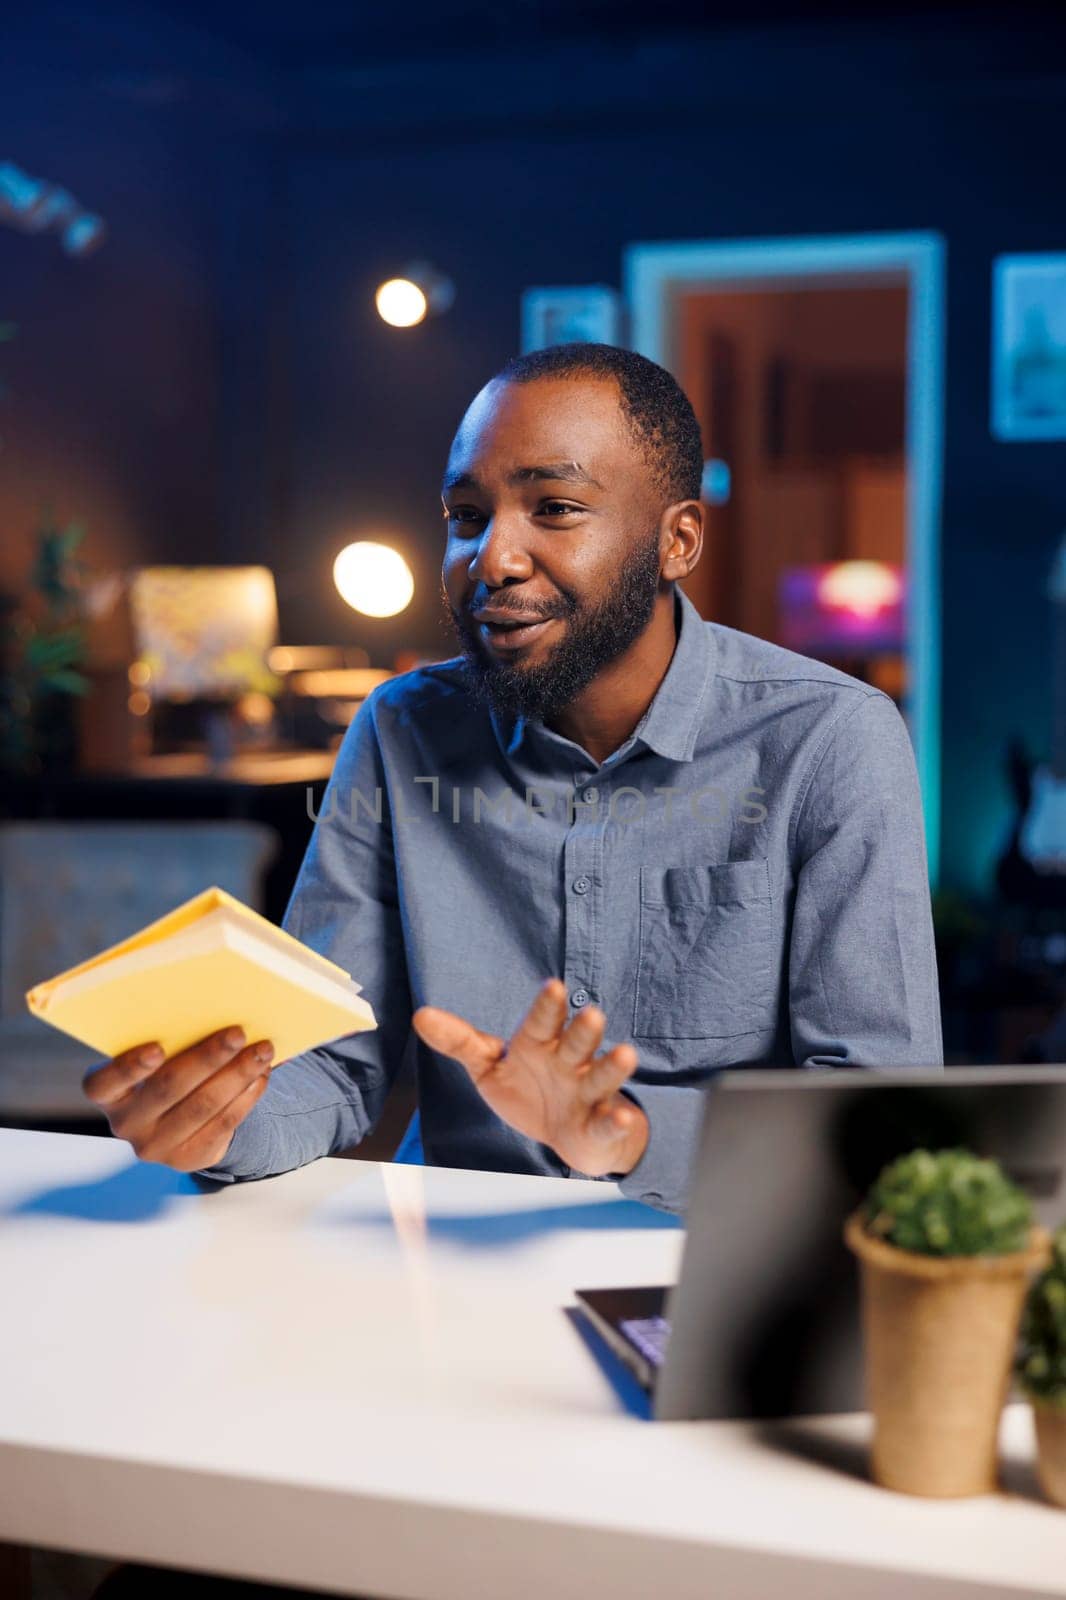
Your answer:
<point x="251" y="767"/>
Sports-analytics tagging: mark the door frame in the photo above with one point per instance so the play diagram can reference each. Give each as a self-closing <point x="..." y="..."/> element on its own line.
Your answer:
<point x="651" y="275"/>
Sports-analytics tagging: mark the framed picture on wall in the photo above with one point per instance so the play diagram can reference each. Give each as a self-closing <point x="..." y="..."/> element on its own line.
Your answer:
<point x="1029" y="347"/>
<point x="565" y="316"/>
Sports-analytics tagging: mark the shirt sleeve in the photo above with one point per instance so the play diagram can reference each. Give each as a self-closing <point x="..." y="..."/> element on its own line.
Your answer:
<point x="345" y="905"/>
<point x="863" y="988"/>
<point x="661" y="1177"/>
<point x="862" y="976"/>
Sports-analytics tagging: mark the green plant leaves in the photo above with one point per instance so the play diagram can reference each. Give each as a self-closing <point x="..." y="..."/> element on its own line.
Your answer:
<point x="43" y="646"/>
<point x="59" y="649"/>
<point x="66" y="682"/>
<point x="948" y="1203"/>
<point x="1041" y="1364"/>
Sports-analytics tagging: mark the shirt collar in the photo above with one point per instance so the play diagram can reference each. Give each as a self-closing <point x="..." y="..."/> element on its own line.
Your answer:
<point x="671" y="724"/>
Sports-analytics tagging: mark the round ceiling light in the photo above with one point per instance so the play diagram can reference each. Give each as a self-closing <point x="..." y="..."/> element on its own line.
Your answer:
<point x="373" y="578"/>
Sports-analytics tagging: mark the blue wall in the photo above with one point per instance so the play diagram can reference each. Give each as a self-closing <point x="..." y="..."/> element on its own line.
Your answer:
<point x="110" y="413"/>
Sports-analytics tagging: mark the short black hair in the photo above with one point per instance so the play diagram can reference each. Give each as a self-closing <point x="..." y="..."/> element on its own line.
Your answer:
<point x="658" y="410"/>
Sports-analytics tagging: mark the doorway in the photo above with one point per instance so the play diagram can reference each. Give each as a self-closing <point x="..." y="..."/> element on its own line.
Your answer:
<point x="815" y="368"/>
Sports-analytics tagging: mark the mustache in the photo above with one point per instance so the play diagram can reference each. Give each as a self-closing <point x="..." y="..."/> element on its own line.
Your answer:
<point x="563" y="607"/>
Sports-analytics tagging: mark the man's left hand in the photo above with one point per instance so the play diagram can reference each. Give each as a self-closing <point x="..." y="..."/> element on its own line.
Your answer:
<point x="548" y="1082"/>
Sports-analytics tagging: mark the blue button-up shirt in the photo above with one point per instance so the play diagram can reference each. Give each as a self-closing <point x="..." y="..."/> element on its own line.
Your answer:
<point x="742" y="883"/>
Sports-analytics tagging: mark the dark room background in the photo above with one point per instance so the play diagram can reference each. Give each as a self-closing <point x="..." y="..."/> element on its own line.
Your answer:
<point x="214" y="384"/>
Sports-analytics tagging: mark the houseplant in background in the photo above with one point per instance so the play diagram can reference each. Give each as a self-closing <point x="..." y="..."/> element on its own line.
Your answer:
<point x="42" y="656"/>
<point x="947" y="1246"/>
<point x="1041" y="1368"/>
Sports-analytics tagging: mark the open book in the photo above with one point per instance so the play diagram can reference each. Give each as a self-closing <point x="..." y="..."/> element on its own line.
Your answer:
<point x="209" y="964"/>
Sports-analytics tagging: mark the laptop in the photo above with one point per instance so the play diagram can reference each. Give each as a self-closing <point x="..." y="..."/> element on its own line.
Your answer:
<point x="764" y="1320"/>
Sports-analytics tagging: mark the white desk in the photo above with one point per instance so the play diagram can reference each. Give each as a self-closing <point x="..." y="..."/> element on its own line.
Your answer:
<point x="359" y="1378"/>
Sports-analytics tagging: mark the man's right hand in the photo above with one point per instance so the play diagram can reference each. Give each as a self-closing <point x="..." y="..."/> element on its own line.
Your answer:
<point x="182" y="1112"/>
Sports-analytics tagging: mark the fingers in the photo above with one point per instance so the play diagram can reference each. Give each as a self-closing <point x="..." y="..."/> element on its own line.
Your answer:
<point x="207" y="1101"/>
<point x="210" y="1142"/>
<point x="157" y="1104"/>
<point x="110" y="1084"/>
<point x="481" y="1052"/>
<point x="454" y="1036"/>
<point x="181" y="1073"/>
<point x="545" y="1016"/>
<point x="607" y="1073"/>
<point x="581" y="1037"/>
<point x="112" y="1080"/>
<point x="613" y="1124"/>
<point x="542" y="1035"/>
<point x="598" y="1076"/>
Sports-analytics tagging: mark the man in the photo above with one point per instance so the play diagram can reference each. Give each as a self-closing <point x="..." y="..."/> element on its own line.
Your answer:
<point x="707" y="850"/>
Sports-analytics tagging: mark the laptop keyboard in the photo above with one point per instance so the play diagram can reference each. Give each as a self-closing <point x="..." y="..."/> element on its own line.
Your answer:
<point x="649" y="1335"/>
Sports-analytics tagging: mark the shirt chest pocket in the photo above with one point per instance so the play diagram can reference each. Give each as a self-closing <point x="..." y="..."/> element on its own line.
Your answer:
<point x="705" y="968"/>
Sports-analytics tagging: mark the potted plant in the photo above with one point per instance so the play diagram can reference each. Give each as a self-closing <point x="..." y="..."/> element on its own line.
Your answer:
<point x="1041" y="1368"/>
<point x="947" y="1246"/>
<point x="42" y="659"/>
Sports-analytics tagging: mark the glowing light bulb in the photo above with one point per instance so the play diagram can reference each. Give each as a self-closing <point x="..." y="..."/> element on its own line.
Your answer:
<point x="862" y="587"/>
<point x="373" y="578"/>
<point x="401" y="303"/>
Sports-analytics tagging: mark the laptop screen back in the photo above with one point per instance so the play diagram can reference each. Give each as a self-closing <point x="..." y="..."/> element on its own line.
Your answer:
<point x="765" y="1318"/>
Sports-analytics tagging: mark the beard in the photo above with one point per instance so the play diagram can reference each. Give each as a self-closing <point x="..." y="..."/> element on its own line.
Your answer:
<point x="595" y="636"/>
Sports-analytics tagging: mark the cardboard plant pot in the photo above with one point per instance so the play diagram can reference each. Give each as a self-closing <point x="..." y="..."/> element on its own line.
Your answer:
<point x="1051" y="1450"/>
<point x="939" y="1337"/>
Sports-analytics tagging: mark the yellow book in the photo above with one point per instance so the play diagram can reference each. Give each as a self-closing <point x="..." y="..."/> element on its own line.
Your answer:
<point x="209" y="964"/>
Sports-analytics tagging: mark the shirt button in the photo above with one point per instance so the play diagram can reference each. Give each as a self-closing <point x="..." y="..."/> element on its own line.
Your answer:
<point x="591" y="795"/>
<point x="582" y="885"/>
<point x="580" y="997"/>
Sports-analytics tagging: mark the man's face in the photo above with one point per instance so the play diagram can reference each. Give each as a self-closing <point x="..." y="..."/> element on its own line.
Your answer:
<point x="552" y="565"/>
